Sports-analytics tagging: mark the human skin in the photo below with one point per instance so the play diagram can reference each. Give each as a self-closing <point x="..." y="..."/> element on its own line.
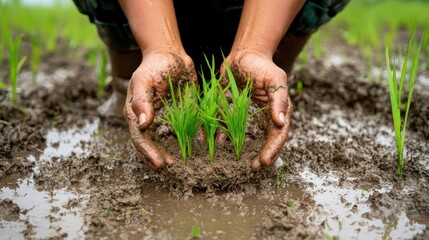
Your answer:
<point x="262" y="26"/>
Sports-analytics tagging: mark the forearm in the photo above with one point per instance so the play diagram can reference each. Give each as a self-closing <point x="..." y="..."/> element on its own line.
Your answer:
<point x="153" y="23"/>
<point x="264" y="23"/>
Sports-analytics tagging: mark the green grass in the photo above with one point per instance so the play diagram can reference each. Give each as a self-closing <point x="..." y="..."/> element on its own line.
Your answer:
<point x="183" y="116"/>
<point x="15" y="62"/>
<point x="235" y="115"/>
<point x="195" y="232"/>
<point x="35" y="55"/>
<point x="208" y="105"/>
<point x="367" y="22"/>
<point x="281" y="177"/>
<point x="397" y="91"/>
<point x="60" y="21"/>
<point x="102" y="71"/>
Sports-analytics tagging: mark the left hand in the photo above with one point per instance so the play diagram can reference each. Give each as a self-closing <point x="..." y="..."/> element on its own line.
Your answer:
<point x="270" y="90"/>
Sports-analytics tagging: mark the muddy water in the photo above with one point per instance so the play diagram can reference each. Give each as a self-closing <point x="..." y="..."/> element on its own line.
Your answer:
<point x="340" y="210"/>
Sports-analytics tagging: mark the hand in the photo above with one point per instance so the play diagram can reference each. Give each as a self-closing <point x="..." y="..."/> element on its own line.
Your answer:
<point x="270" y="90"/>
<point x="148" y="82"/>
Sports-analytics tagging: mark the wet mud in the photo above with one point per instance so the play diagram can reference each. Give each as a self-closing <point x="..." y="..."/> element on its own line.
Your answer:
<point x="65" y="173"/>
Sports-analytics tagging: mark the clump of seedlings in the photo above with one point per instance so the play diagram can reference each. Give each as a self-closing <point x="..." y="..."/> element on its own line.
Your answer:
<point x="235" y="114"/>
<point x="183" y="116"/>
<point x="212" y="108"/>
<point x="396" y="92"/>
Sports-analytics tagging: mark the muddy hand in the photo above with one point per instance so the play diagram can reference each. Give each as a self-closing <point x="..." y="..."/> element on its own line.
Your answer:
<point x="269" y="90"/>
<point x="148" y="83"/>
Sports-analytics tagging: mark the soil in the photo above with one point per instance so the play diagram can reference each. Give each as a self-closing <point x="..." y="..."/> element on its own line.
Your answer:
<point x="66" y="173"/>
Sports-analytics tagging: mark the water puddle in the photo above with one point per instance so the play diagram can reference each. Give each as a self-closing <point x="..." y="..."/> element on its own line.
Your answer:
<point x="335" y="60"/>
<point x="230" y="216"/>
<point x="48" y="213"/>
<point x="343" y="211"/>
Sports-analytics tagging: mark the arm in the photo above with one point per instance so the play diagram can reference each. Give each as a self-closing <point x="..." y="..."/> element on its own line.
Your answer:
<point x="154" y="26"/>
<point x="262" y="26"/>
<point x="153" y="23"/>
<point x="264" y="23"/>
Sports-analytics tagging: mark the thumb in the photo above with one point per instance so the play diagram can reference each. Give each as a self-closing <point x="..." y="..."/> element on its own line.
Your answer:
<point x="279" y="101"/>
<point x="142" y="102"/>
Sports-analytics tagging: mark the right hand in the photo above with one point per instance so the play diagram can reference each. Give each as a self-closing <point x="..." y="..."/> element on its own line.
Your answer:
<point x="148" y="83"/>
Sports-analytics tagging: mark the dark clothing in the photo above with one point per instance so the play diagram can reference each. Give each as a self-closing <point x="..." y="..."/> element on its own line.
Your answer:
<point x="206" y="26"/>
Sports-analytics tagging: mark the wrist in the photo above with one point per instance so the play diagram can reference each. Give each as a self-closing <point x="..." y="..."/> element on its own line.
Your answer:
<point x="239" y="50"/>
<point x="161" y="47"/>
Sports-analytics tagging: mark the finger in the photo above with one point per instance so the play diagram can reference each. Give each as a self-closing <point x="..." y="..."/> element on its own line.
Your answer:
<point x="141" y="99"/>
<point x="279" y="99"/>
<point x="262" y="99"/>
<point x="147" y="150"/>
<point x="201" y="135"/>
<point x="277" y="137"/>
<point x="220" y="137"/>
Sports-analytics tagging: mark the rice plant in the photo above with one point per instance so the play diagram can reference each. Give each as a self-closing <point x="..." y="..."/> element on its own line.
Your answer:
<point x="195" y="232"/>
<point x="35" y="55"/>
<point x="182" y="116"/>
<point x="15" y="63"/>
<point x="235" y="115"/>
<point x="1" y="51"/>
<point x="101" y="72"/>
<point x="209" y="107"/>
<point x="396" y="91"/>
<point x="317" y="45"/>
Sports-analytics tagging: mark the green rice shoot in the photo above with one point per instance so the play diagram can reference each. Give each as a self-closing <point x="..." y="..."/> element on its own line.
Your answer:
<point x="101" y="71"/>
<point x="235" y="115"/>
<point x="209" y="107"/>
<point x="15" y="63"/>
<point x="35" y="55"/>
<point x="182" y="116"/>
<point x="396" y="91"/>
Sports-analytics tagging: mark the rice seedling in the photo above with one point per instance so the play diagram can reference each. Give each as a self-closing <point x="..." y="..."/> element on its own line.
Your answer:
<point x="182" y="116"/>
<point x="101" y="72"/>
<point x="92" y="58"/>
<point x="292" y="204"/>
<point x="15" y="63"/>
<point x="303" y="56"/>
<point x="195" y="232"/>
<point x="327" y="235"/>
<point x="1" y="51"/>
<point x="396" y="91"/>
<point x="208" y="105"/>
<point x="35" y="55"/>
<point x="281" y="177"/>
<point x="235" y="115"/>
<point x="317" y="45"/>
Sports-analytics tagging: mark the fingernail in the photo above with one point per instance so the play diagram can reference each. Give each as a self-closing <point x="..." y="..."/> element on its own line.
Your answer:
<point x="282" y="117"/>
<point x="142" y="119"/>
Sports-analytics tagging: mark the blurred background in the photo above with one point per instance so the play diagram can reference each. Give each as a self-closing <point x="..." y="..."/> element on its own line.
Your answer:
<point x="53" y="26"/>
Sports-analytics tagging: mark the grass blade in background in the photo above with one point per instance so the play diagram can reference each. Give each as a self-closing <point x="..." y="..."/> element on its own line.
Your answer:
<point x="396" y="92"/>
<point x="101" y="69"/>
<point x="182" y="116"/>
<point x="35" y="55"/>
<point x="15" y="63"/>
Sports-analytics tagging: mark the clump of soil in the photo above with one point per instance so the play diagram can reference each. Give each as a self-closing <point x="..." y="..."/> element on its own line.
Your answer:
<point x="9" y="211"/>
<point x="226" y="172"/>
